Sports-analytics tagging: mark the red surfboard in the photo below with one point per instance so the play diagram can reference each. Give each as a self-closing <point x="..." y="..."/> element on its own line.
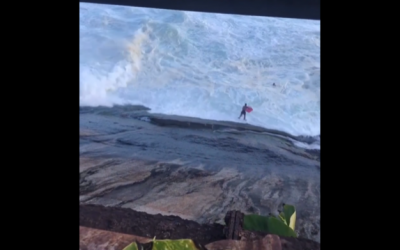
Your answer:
<point x="249" y="109"/>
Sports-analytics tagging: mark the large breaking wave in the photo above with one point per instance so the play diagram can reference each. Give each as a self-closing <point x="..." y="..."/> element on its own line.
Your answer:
<point x="202" y="65"/>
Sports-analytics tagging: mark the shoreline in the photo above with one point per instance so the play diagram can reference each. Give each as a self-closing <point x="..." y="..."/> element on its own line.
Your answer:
<point x="141" y="113"/>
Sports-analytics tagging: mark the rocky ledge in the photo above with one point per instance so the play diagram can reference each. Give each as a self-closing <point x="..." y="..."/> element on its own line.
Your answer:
<point x="196" y="174"/>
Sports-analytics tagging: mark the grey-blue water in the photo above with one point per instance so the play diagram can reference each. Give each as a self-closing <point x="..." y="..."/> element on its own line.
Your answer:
<point x="203" y="65"/>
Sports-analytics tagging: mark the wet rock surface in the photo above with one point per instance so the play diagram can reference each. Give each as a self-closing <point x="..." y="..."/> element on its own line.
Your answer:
<point x="194" y="172"/>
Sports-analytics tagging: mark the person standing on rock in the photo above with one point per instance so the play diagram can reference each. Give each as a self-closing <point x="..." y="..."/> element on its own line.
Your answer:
<point x="243" y="112"/>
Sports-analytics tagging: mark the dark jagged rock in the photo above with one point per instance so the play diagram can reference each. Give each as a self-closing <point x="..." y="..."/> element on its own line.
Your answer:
<point x="290" y="243"/>
<point x="234" y="225"/>
<point x="128" y="221"/>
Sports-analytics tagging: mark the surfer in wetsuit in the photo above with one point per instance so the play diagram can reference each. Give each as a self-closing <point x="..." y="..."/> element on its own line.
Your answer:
<point x="243" y="112"/>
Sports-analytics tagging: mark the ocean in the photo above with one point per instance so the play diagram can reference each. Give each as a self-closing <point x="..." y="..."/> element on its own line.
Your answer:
<point x="203" y="65"/>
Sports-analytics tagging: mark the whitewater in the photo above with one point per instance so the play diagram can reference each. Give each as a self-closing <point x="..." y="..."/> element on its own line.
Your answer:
<point x="202" y="65"/>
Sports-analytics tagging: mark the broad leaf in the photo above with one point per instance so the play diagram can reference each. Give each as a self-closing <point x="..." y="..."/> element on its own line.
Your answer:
<point x="255" y="222"/>
<point x="131" y="246"/>
<point x="290" y="215"/>
<point x="185" y="244"/>
<point x="276" y="226"/>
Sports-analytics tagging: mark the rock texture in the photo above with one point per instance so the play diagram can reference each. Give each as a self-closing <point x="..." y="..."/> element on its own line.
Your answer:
<point x="269" y="242"/>
<point x="95" y="239"/>
<point x="131" y="159"/>
<point x="128" y="221"/>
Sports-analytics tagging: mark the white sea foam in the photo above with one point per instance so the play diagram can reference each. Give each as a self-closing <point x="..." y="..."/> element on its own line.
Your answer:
<point x="202" y="65"/>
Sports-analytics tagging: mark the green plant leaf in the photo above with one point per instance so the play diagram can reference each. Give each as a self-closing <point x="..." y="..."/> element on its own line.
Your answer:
<point x="290" y="215"/>
<point x="282" y="217"/>
<point x="131" y="246"/>
<point x="184" y="244"/>
<point x="267" y="224"/>
<point x="255" y="222"/>
<point x="278" y="227"/>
